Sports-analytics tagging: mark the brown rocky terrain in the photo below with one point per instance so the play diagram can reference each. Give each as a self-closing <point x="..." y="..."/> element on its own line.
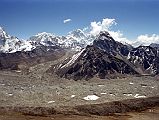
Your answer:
<point x="151" y="113"/>
<point x="47" y="95"/>
<point x="21" y="60"/>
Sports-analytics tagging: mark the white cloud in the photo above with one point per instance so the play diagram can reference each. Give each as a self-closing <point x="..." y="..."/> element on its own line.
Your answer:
<point x="146" y="40"/>
<point x="67" y="20"/>
<point x="106" y="23"/>
<point x="118" y="36"/>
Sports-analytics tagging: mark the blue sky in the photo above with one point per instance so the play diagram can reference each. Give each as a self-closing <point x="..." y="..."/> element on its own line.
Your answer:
<point x="24" y="18"/>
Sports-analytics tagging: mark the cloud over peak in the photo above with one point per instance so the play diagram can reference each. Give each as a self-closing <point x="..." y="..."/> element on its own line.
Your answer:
<point x="103" y="25"/>
<point x="107" y="23"/>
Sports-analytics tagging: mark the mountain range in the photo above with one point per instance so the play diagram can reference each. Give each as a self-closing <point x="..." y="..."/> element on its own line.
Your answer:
<point x="96" y="56"/>
<point x="74" y="40"/>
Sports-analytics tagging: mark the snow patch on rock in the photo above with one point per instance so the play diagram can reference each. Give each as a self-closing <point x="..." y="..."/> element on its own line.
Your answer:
<point x="139" y="96"/>
<point x="73" y="59"/>
<point x="91" y="97"/>
<point x="49" y="102"/>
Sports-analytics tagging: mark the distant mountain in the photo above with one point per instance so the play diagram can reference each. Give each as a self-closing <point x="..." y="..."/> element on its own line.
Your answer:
<point x="77" y="39"/>
<point x="46" y="39"/>
<point x="108" y="57"/>
<point x="3" y="36"/>
<point x="8" y="43"/>
<point x="74" y="40"/>
<point x="19" y="54"/>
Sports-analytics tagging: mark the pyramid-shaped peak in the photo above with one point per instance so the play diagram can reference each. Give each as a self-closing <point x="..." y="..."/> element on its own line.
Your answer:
<point x="105" y="33"/>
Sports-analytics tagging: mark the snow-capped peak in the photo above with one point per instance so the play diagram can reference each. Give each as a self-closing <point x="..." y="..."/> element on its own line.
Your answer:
<point x="3" y="34"/>
<point x="77" y="33"/>
<point x="75" y="40"/>
<point x="78" y="39"/>
<point x="11" y="44"/>
<point x="44" y="34"/>
<point x="44" y="38"/>
<point x="8" y="43"/>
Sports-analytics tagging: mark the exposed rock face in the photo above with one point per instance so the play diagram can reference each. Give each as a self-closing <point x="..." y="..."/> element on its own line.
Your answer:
<point x="94" y="61"/>
<point x="22" y="60"/>
<point x="145" y="57"/>
<point x="106" y="43"/>
<point x="107" y="56"/>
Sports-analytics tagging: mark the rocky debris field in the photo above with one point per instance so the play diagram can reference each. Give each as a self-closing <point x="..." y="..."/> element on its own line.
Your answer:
<point x="25" y="91"/>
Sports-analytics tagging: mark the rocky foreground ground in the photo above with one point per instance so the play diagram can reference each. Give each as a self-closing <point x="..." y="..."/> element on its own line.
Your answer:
<point x="149" y="114"/>
<point x="26" y="94"/>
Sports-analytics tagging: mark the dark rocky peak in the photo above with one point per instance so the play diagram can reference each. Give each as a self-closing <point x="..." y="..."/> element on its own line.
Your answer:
<point x="94" y="62"/>
<point x="105" y="42"/>
<point x="104" y="35"/>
